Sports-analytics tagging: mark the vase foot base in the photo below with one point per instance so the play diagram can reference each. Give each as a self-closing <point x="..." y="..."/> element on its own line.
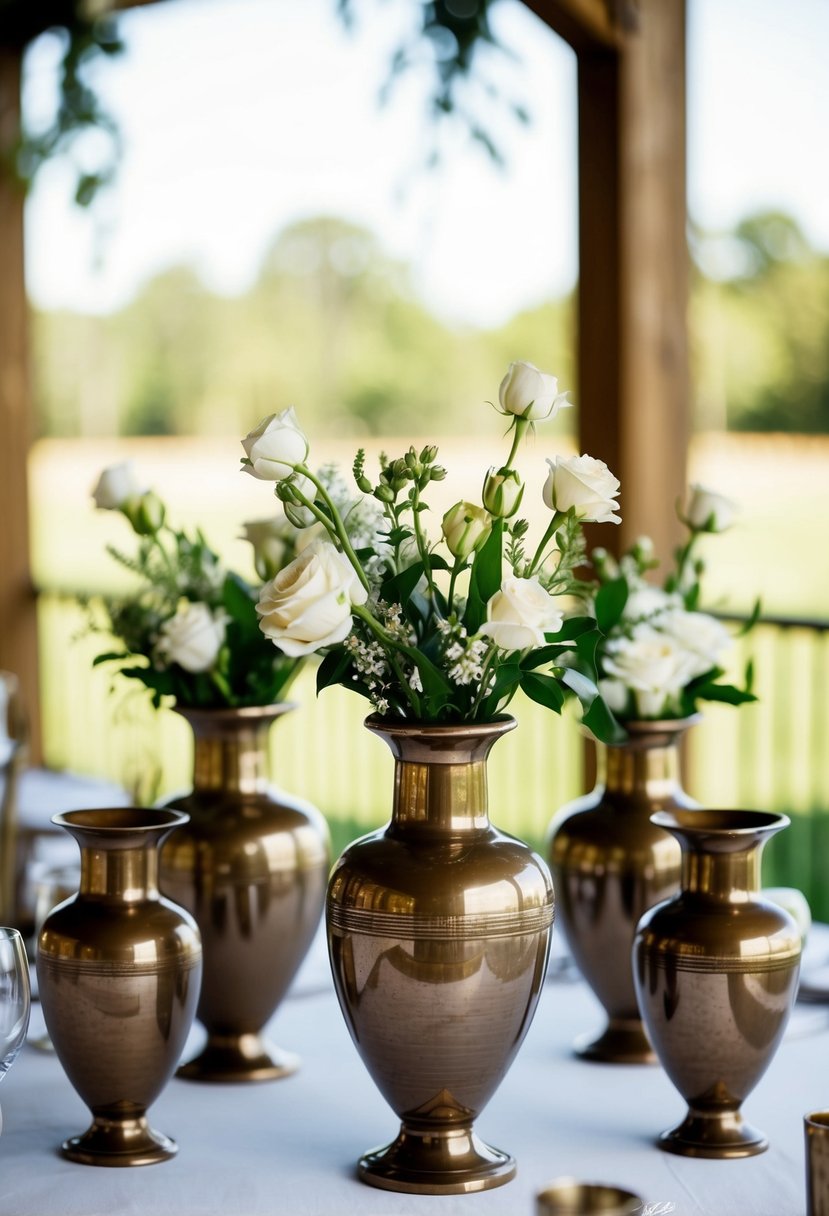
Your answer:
<point x="119" y="1142"/>
<point x="722" y="1135"/>
<point x="442" y="1161"/>
<point x="239" y="1059"/>
<point x="623" y="1041"/>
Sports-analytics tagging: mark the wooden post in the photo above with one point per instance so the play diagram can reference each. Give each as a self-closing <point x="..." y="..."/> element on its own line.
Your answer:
<point x="633" y="278"/>
<point x="18" y="625"/>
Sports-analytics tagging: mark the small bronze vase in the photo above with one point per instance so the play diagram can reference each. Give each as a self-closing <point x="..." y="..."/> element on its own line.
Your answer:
<point x="716" y="970"/>
<point x="438" y="932"/>
<point x="610" y="863"/>
<point x="251" y="866"/>
<point x="118" y="970"/>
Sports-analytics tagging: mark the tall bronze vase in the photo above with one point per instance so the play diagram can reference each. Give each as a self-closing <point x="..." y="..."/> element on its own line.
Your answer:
<point x="251" y="866"/>
<point x="716" y="971"/>
<point x="118" y="970"/>
<point x="610" y="863"/>
<point x="438" y="931"/>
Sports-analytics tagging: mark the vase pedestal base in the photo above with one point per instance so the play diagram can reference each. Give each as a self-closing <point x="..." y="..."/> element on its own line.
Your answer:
<point x="115" y="1142"/>
<point x="722" y="1135"/>
<point x="436" y="1161"/>
<point x="623" y="1041"/>
<point x="238" y="1058"/>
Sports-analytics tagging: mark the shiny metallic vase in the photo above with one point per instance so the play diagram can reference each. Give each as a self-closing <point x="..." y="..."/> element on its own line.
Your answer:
<point x="610" y="863"/>
<point x="251" y="865"/>
<point x="118" y="970"/>
<point x="716" y="970"/>
<point x="438" y="931"/>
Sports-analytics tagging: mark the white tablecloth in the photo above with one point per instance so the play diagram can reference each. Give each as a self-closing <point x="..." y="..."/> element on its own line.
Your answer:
<point x="288" y="1148"/>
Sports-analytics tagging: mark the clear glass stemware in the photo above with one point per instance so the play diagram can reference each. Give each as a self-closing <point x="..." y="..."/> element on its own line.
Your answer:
<point x="15" y="999"/>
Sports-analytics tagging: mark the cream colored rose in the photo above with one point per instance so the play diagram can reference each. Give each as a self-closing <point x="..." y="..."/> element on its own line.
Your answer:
<point x="585" y="484"/>
<point x="465" y="528"/>
<point x="520" y="614"/>
<point x="274" y="447"/>
<point x="708" y="511"/>
<point x="654" y="666"/>
<point x="529" y="393"/>
<point x="645" y="603"/>
<point x="192" y="638"/>
<point x="115" y="485"/>
<point x="308" y="605"/>
<point x="703" y="637"/>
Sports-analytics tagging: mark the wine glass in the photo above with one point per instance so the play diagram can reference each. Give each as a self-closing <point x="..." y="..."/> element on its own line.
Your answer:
<point x="15" y="999"/>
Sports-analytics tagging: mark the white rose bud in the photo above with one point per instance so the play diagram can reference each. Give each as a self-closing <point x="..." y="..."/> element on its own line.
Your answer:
<point x="520" y="614"/>
<point x="465" y="528"/>
<point x="502" y="492"/>
<point x="145" y="513"/>
<point x="193" y="637"/>
<point x="116" y="484"/>
<point x="585" y="484"/>
<point x="530" y="394"/>
<point x="271" y="544"/>
<point x="274" y="447"/>
<point x="710" y="512"/>
<point x="308" y="605"/>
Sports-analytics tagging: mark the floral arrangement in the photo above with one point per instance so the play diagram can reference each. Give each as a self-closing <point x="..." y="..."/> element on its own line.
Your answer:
<point x="658" y="654"/>
<point x="191" y="630"/>
<point x="448" y="629"/>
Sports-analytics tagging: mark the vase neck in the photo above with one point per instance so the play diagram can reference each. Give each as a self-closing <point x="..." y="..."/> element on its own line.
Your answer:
<point x="645" y="767"/>
<point x="440" y="776"/>
<point x="119" y="850"/>
<point x="729" y="877"/>
<point x="230" y="752"/>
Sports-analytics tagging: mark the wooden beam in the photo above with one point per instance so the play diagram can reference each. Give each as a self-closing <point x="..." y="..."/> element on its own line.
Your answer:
<point x="633" y="281"/>
<point x="587" y="25"/>
<point x="18" y="626"/>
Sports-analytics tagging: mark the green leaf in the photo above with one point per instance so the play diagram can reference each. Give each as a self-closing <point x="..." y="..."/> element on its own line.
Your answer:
<point x="610" y="603"/>
<point x="110" y="656"/>
<point x="332" y="669"/>
<point x="545" y="690"/>
<point x="399" y="588"/>
<point x="602" y="725"/>
<point x="484" y="579"/>
<point x="726" y="693"/>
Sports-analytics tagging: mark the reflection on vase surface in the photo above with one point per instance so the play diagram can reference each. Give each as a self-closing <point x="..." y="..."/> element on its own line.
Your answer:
<point x="716" y="972"/>
<point x="610" y="863"/>
<point x="438" y="933"/>
<point x="251" y="866"/>
<point x="119" y="969"/>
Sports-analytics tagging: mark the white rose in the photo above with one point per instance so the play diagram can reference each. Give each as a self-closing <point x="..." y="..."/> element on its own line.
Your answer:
<point x="645" y="603"/>
<point x="702" y="636"/>
<point x="585" y="484"/>
<point x="308" y="605"/>
<point x="529" y="393"/>
<point x="465" y="529"/>
<point x="115" y="485"/>
<point x="193" y="637"/>
<point x="708" y="511"/>
<point x="653" y="666"/>
<point x="615" y="695"/>
<point x="275" y="446"/>
<point x="272" y="543"/>
<point x="520" y="614"/>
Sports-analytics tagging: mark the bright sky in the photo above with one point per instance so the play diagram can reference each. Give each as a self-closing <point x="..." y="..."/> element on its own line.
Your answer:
<point x="240" y="116"/>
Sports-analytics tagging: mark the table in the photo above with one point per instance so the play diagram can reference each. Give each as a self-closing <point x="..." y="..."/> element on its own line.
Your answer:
<point x="288" y="1148"/>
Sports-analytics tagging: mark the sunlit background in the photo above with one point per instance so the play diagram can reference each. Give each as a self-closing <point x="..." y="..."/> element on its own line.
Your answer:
<point x="278" y="235"/>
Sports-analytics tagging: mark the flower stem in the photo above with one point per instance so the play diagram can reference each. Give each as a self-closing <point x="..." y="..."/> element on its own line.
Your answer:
<point x="334" y="524"/>
<point x="554" y="525"/>
<point x="521" y="425"/>
<point x="391" y="645"/>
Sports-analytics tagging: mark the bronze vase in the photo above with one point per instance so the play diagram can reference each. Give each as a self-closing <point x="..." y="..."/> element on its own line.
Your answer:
<point x="716" y="970"/>
<point x="118" y="970"/>
<point x="438" y="932"/>
<point x="251" y="866"/>
<point x="610" y="863"/>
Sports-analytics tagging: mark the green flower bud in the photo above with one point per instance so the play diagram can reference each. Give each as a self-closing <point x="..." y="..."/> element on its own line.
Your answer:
<point x="502" y="492"/>
<point x="145" y="512"/>
<point x="465" y="529"/>
<point x="429" y="455"/>
<point x="385" y="493"/>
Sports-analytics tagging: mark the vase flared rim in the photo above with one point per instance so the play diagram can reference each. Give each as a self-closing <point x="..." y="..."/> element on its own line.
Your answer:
<point x="121" y="820"/>
<point x="710" y="821"/>
<point x="439" y="742"/>
<point x="656" y="726"/>
<point x="444" y="730"/>
<point x="235" y="713"/>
